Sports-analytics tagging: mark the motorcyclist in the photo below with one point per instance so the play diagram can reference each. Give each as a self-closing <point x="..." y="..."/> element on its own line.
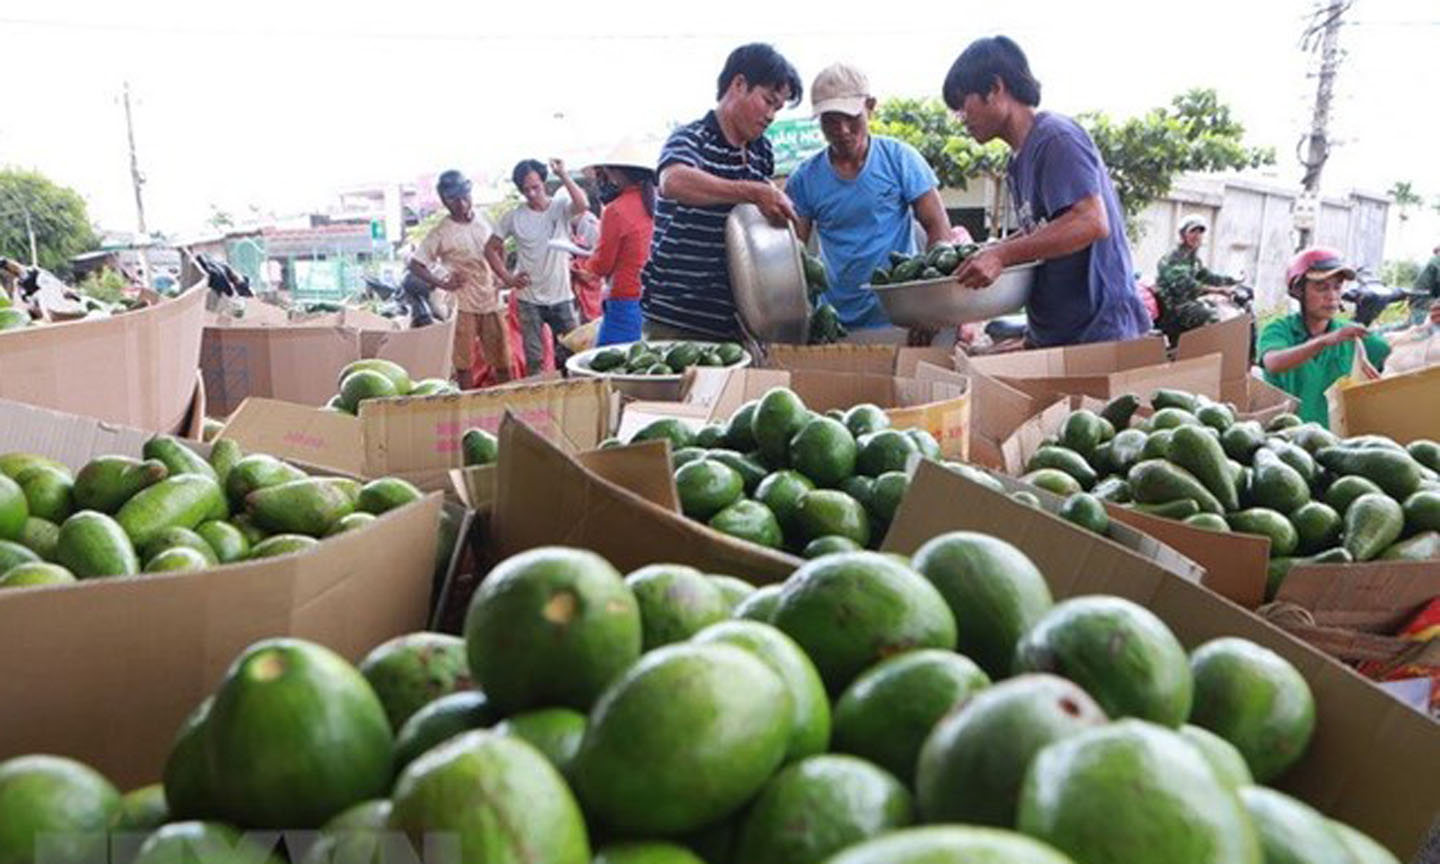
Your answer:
<point x="1182" y="280"/>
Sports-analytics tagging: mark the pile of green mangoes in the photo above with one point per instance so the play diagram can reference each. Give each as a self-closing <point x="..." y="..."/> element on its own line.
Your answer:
<point x="381" y="379"/>
<point x="171" y="510"/>
<point x="941" y="260"/>
<point x="1317" y="497"/>
<point x="664" y="358"/>
<point x="783" y="476"/>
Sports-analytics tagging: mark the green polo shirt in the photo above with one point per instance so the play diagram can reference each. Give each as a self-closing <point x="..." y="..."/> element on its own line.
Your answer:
<point x="1309" y="381"/>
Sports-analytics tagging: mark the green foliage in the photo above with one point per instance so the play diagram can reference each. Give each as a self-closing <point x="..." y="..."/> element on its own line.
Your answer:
<point x="1196" y="132"/>
<point x="104" y="284"/>
<point x="1399" y="274"/>
<point x="57" y="214"/>
<point x="1405" y="197"/>
<point x="930" y="127"/>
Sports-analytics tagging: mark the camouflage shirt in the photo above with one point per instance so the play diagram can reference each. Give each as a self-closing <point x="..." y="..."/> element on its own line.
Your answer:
<point x="1179" y="277"/>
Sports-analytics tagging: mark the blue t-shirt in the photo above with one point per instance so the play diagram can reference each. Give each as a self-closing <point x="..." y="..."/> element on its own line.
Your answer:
<point x="1087" y="296"/>
<point x="861" y="220"/>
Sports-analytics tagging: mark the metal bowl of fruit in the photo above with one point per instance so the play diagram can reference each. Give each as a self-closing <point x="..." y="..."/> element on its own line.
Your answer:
<point x="767" y="277"/>
<point x="654" y="370"/>
<point x="919" y="291"/>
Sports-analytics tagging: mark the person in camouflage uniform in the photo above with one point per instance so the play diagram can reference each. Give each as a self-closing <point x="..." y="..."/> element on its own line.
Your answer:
<point x="1181" y="280"/>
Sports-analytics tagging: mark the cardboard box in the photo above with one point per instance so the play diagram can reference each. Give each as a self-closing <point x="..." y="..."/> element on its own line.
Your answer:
<point x="1374" y="597"/>
<point x="1368" y="762"/>
<point x="137" y="654"/>
<point x="544" y="496"/>
<point x="1235" y="564"/>
<point x="418" y="438"/>
<point x="1100" y="358"/>
<point x="1201" y="375"/>
<point x="136" y="368"/>
<point x="1253" y="398"/>
<point x="1404" y="407"/>
<point x="937" y="401"/>
<point x="301" y="363"/>
<point x="645" y="472"/>
<point x="997" y="411"/>
<point x="895" y="360"/>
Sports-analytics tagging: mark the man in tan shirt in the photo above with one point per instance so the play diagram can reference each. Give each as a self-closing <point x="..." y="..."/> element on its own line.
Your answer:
<point x="452" y="258"/>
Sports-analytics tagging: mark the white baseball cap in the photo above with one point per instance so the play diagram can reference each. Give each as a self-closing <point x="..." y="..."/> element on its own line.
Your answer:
<point x="841" y="88"/>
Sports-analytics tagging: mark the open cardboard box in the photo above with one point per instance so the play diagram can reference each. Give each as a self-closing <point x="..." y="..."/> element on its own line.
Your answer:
<point x="894" y="360"/>
<point x="1235" y="564"/>
<point x="936" y="400"/>
<point x="139" y="653"/>
<point x="136" y="368"/>
<point x="258" y="355"/>
<point x="418" y="438"/>
<point x="544" y="496"/>
<point x="1369" y="762"/>
<point x="1253" y="398"/>
<point x="1125" y="535"/>
<point x="1404" y="407"/>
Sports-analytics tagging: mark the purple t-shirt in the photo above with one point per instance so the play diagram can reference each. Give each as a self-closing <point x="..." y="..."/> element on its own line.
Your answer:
<point x="1086" y="296"/>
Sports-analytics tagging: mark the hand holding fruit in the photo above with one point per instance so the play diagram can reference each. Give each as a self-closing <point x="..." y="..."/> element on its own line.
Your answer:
<point x="980" y="269"/>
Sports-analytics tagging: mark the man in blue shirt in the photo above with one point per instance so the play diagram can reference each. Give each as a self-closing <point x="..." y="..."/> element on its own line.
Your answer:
<point x="1070" y="218"/>
<point x="859" y="192"/>
<point x="706" y="168"/>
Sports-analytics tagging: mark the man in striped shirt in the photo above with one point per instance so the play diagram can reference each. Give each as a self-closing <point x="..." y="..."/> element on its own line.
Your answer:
<point x="706" y="168"/>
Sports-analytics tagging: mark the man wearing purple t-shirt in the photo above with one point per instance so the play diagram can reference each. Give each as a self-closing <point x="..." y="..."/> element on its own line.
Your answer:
<point x="1070" y="218"/>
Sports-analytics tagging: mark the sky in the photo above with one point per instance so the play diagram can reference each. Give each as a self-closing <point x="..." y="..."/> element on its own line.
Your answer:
<point x="276" y="105"/>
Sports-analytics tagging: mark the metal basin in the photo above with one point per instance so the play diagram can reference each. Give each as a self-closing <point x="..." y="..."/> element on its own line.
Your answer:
<point x="943" y="302"/>
<point x="647" y="388"/>
<point x="767" y="277"/>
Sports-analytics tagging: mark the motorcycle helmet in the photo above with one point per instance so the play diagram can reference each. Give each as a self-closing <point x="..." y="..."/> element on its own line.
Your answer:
<point x="1315" y="264"/>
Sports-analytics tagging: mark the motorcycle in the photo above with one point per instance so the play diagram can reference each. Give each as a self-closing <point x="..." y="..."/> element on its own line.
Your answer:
<point x="1371" y="298"/>
<point x="411" y="295"/>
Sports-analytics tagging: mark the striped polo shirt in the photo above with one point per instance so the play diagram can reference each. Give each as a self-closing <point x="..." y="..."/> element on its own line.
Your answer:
<point x="687" y="280"/>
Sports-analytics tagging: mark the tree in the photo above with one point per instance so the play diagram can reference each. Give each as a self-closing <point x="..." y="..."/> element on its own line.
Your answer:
<point x="1405" y="197"/>
<point x="1196" y="132"/>
<point x="930" y="127"/>
<point x="56" y="215"/>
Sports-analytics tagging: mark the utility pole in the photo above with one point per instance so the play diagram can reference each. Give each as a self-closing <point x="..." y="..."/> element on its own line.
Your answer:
<point x="1323" y="32"/>
<point x="136" y="180"/>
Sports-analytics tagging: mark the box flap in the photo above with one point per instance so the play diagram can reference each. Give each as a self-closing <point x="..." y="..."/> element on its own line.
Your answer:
<point x="1231" y="340"/>
<point x="1201" y="375"/>
<point x="1235" y="564"/>
<point x="135" y="368"/>
<point x="1016" y="450"/>
<point x="1374" y="597"/>
<point x="893" y="360"/>
<point x="997" y="410"/>
<point x="1361" y="764"/>
<point x="583" y="509"/>
<point x="298" y="432"/>
<point x="635" y="416"/>
<point x="424" y="352"/>
<point x="1076" y="360"/>
<point x="414" y="434"/>
<point x="295" y="364"/>
<point x="1403" y="407"/>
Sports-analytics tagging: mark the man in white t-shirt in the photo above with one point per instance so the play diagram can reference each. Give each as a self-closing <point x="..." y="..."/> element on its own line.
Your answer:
<point x="542" y="273"/>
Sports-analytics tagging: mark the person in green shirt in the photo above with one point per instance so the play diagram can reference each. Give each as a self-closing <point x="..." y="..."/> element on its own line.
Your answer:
<point x="1306" y="352"/>
<point x="1427" y="284"/>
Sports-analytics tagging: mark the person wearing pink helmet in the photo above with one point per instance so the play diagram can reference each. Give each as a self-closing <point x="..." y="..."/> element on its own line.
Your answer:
<point x="1306" y="352"/>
